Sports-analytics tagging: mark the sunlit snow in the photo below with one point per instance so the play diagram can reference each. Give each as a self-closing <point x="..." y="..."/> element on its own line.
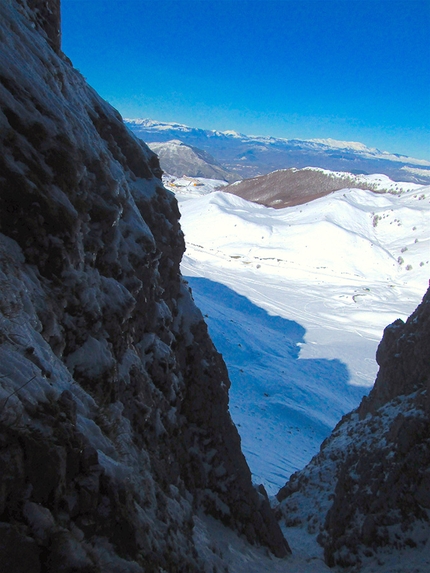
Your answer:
<point x="296" y="300"/>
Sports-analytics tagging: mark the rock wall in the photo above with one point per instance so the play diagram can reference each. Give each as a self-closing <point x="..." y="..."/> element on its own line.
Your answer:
<point x="367" y="492"/>
<point x="114" y="422"/>
<point x="46" y="16"/>
<point x="403" y="358"/>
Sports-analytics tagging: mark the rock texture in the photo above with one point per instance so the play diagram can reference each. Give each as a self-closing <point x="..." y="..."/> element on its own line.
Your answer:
<point x="114" y="422"/>
<point x="46" y="16"/>
<point x="403" y="357"/>
<point x="367" y="492"/>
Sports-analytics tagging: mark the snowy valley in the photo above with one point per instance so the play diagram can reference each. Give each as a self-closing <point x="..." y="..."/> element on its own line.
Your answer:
<point x="297" y="299"/>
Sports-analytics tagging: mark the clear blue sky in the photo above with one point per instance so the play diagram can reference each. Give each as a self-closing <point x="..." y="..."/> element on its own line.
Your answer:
<point x="356" y="70"/>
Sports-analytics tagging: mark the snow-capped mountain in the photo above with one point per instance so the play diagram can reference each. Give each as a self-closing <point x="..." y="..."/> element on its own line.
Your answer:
<point x="250" y="156"/>
<point x="117" y="448"/>
<point x="178" y="159"/>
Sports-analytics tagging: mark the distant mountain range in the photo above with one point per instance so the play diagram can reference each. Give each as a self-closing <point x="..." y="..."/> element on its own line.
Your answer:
<point x="249" y="156"/>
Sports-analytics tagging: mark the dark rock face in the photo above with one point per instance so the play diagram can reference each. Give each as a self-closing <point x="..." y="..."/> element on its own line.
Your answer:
<point x="403" y="357"/>
<point x="114" y="422"/>
<point x="46" y="15"/>
<point x="370" y="482"/>
<point x="387" y="486"/>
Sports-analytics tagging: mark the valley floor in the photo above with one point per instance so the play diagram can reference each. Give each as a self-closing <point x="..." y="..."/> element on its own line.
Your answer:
<point x="220" y="546"/>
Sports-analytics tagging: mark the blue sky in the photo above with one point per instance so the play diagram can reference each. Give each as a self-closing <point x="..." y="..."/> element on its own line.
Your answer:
<point x="356" y="70"/>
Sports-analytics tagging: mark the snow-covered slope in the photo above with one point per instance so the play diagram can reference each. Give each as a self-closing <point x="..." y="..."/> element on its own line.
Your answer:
<point x="350" y="233"/>
<point x="296" y="300"/>
<point x="367" y="492"/>
<point x="251" y="155"/>
<point x="288" y="187"/>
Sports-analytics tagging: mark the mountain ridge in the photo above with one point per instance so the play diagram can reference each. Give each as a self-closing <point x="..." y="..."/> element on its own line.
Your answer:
<point x="250" y="156"/>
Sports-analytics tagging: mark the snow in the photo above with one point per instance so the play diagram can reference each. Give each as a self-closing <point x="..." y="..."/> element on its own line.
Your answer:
<point x="369" y="151"/>
<point x="415" y="170"/>
<point x="296" y="300"/>
<point x="218" y="545"/>
<point x="307" y="507"/>
<point x="328" y="144"/>
<point x="158" y="125"/>
<point x="232" y="133"/>
<point x="342" y="144"/>
<point x="212" y="539"/>
<point x="298" y="339"/>
<point x="376" y="181"/>
<point x="93" y="357"/>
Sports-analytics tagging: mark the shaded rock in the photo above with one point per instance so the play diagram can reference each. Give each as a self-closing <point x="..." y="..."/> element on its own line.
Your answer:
<point x="19" y="553"/>
<point x="46" y="15"/>
<point x="367" y="489"/>
<point x="40" y="521"/>
<point x="403" y="358"/>
<point x="113" y="399"/>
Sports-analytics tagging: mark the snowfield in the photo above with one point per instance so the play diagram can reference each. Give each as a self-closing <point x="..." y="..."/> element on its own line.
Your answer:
<point x="296" y="300"/>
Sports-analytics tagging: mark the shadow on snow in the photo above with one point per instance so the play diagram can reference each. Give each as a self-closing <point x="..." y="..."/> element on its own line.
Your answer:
<point x="278" y="400"/>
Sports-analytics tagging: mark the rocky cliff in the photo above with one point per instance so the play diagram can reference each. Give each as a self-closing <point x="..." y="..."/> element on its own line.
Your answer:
<point x="367" y="493"/>
<point x="114" y="424"/>
<point x="45" y="16"/>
